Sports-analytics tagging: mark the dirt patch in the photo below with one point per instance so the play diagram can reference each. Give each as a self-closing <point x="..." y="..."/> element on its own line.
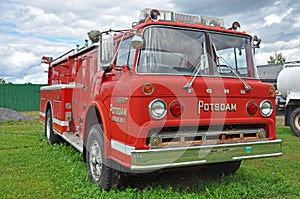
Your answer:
<point x="11" y="115"/>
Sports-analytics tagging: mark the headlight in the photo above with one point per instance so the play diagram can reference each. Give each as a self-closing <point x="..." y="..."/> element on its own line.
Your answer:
<point x="266" y="108"/>
<point x="157" y="109"/>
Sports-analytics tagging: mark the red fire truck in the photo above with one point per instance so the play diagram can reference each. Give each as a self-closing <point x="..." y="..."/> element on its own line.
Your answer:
<point x="175" y="90"/>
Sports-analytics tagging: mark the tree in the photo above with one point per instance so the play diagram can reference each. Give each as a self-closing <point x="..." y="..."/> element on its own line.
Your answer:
<point x="2" y="80"/>
<point x="277" y="59"/>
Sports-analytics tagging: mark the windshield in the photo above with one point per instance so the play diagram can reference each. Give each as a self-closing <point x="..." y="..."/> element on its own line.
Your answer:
<point x="231" y="52"/>
<point x="172" y="51"/>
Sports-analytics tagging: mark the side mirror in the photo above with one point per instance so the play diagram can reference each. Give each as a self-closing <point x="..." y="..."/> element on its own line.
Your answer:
<point x="106" y="52"/>
<point x="137" y="41"/>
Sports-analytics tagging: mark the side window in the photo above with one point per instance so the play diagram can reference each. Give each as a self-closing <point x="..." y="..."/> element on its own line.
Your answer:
<point x="131" y="57"/>
<point x="126" y="54"/>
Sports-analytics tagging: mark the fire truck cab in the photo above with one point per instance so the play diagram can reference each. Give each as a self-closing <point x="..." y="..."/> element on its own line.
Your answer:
<point x="175" y="90"/>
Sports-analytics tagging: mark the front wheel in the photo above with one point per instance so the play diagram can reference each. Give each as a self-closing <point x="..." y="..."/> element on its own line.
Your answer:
<point x="295" y="121"/>
<point x="99" y="170"/>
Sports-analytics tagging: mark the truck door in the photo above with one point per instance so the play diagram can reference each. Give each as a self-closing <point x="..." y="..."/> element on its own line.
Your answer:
<point x="80" y="94"/>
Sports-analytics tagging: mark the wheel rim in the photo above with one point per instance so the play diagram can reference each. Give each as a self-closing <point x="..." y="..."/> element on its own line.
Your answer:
<point x="297" y="122"/>
<point x="48" y="128"/>
<point x="95" y="160"/>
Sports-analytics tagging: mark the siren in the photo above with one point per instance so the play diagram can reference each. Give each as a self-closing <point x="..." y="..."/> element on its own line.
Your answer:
<point x="154" y="15"/>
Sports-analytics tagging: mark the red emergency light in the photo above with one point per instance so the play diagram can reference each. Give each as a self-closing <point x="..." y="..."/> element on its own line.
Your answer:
<point x="46" y="60"/>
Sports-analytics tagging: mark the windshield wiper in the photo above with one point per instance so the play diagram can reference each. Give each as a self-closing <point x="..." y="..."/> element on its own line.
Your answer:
<point x="227" y="65"/>
<point x="201" y="64"/>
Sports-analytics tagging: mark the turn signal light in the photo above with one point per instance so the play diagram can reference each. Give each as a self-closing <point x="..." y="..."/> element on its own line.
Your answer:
<point x="252" y="108"/>
<point x="148" y="89"/>
<point x="176" y="108"/>
<point x="272" y="92"/>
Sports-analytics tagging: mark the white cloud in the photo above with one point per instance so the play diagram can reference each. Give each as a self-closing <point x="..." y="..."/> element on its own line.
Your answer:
<point x="276" y="18"/>
<point x="37" y="75"/>
<point x="290" y="50"/>
<point x="31" y="29"/>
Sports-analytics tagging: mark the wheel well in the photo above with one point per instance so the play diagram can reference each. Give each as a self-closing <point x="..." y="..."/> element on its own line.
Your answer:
<point x="93" y="117"/>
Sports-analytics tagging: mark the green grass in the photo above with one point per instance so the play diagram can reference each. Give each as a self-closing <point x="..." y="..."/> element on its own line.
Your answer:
<point x="31" y="168"/>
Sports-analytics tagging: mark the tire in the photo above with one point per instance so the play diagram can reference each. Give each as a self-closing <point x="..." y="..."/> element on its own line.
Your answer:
<point x="295" y="121"/>
<point x="51" y="137"/>
<point x="99" y="170"/>
<point x="224" y="168"/>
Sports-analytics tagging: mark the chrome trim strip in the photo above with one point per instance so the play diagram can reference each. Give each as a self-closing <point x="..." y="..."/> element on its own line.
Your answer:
<point x="123" y="148"/>
<point x="257" y="156"/>
<point x="57" y="87"/>
<point x="168" y="165"/>
<point x="186" y="156"/>
<point x="208" y="146"/>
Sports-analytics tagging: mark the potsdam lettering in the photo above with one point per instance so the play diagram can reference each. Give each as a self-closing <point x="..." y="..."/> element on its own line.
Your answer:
<point x="118" y="111"/>
<point x="216" y="107"/>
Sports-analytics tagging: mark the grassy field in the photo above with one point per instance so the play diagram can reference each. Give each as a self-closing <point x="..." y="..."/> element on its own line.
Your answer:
<point x="31" y="168"/>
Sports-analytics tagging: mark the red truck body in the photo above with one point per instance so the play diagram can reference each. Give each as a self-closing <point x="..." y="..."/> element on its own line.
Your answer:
<point x="152" y="115"/>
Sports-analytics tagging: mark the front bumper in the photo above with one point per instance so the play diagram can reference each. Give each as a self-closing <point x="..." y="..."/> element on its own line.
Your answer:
<point x="153" y="159"/>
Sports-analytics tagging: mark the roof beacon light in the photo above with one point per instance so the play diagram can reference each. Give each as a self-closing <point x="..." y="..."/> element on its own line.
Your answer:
<point x="236" y="26"/>
<point x="46" y="60"/>
<point x="256" y="41"/>
<point x="163" y="15"/>
<point x="154" y="15"/>
<point x="212" y="21"/>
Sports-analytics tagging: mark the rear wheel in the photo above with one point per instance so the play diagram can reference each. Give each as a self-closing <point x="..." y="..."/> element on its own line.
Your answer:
<point x="51" y="137"/>
<point x="295" y="121"/>
<point x="99" y="170"/>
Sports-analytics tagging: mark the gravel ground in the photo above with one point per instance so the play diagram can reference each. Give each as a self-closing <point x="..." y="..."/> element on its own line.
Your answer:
<point x="8" y="115"/>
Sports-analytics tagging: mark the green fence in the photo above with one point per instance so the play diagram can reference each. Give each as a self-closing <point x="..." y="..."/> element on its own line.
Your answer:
<point x="20" y="97"/>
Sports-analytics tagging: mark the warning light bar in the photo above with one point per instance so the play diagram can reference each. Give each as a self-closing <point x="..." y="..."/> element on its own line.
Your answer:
<point x="46" y="60"/>
<point x="163" y="15"/>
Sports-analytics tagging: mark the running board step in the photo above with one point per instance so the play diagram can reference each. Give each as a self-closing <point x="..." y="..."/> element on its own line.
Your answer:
<point x="74" y="139"/>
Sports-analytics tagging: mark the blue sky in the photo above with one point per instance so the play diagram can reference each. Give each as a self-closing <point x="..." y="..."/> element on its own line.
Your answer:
<point x="30" y="29"/>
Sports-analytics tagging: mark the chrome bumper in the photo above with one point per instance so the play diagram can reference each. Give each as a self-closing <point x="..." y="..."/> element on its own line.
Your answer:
<point x="153" y="159"/>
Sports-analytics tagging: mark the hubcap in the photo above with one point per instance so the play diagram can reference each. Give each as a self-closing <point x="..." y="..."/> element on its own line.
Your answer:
<point x="95" y="160"/>
<point x="297" y="122"/>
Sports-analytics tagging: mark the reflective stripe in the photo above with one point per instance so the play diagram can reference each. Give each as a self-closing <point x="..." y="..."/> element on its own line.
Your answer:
<point x="42" y="114"/>
<point x="61" y="123"/>
<point x="123" y="148"/>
